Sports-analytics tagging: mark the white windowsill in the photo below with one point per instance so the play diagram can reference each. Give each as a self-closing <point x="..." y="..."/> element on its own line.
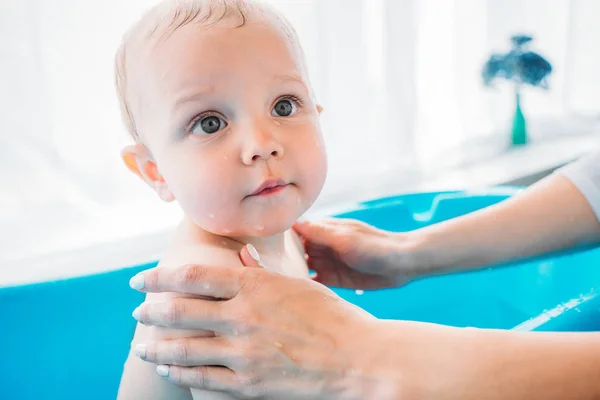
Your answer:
<point x="514" y="167"/>
<point x="519" y="166"/>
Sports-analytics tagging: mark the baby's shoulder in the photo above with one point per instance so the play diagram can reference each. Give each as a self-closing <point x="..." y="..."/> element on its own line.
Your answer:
<point x="181" y="253"/>
<point x="207" y="253"/>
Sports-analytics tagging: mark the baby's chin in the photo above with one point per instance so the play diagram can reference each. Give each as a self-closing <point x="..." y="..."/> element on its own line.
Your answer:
<point x="255" y="226"/>
<point x="253" y="222"/>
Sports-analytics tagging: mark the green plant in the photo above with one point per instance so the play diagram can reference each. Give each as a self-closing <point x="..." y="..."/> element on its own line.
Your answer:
<point x="521" y="67"/>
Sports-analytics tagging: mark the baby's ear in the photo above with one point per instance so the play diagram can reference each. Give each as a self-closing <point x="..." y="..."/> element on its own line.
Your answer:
<point x="137" y="159"/>
<point x="319" y="109"/>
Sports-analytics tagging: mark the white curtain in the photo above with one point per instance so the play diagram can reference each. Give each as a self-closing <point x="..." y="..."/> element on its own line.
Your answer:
<point x="399" y="80"/>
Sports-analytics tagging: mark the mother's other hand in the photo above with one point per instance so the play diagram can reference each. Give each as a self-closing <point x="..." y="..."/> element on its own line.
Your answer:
<point x="276" y="336"/>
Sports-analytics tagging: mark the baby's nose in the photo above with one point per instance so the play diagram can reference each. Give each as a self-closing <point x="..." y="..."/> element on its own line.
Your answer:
<point x="261" y="147"/>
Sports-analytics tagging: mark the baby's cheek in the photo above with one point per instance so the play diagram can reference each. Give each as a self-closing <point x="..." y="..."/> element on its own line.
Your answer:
<point x="216" y="205"/>
<point x="204" y="185"/>
<point x="312" y="164"/>
<point x="211" y="199"/>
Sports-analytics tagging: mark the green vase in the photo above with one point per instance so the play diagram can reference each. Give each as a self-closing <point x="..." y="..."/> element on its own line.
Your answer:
<point x="519" y="128"/>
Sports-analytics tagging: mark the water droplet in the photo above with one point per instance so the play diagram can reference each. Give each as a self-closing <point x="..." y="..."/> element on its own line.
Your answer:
<point x="227" y="231"/>
<point x="224" y="243"/>
<point x="234" y="333"/>
<point x="280" y="345"/>
<point x="298" y="201"/>
<point x="260" y="227"/>
<point x="226" y="157"/>
<point x="206" y="286"/>
<point x="277" y="123"/>
<point x="284" y="373"/>
<point x="211" y="216"/>
<point x="360" y="292"/>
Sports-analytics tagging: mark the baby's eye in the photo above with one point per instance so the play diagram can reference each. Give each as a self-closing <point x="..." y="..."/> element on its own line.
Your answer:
<point x="208" y="125"/>
<point x="284" y="108"/>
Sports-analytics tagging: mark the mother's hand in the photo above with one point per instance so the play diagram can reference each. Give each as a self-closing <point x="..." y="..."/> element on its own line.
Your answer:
<point x="351" y="254"/>
<point x="276" y="336"/>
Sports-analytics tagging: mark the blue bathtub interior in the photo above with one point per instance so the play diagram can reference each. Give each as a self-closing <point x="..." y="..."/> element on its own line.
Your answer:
<point x="68" y="339"/>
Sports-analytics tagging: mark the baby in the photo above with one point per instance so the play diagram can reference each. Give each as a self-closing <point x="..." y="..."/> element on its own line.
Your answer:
<point x="216" y="95"/>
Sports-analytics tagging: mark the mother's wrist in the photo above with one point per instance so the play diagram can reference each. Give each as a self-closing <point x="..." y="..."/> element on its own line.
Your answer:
<point x="410" y="256"/>
<point x="375" y="373"/>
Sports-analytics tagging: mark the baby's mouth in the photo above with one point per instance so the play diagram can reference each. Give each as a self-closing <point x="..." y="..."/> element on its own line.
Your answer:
<point x="269" y="187"/>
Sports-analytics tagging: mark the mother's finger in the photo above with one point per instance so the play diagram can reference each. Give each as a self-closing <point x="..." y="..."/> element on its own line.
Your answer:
<point x="249" y="257"/>
<point x="320" y="233"/>
<point x="217" y="282"/>
<point x="188" y="352"/>
<point x="216" y="379"/>
<point x="185" y="313"/>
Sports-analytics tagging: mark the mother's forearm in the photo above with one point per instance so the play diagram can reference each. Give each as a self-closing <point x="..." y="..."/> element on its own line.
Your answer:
<point x="416" y="361"/>
<point x="541" y="365"/>
<point x="550" y="215"/>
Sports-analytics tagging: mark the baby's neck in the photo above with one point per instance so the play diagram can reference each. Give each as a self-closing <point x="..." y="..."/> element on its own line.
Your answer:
<point x="274" y="245"/>
<point x="279" y="252"/>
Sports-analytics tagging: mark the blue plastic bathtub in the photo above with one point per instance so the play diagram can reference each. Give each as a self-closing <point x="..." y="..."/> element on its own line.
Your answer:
<point x="68" y="339"/>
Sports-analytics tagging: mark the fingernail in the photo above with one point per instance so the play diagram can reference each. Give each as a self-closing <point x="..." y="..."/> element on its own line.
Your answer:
<point x="136" y="314"/>
<point x="137" y="282"/>
<point x="162" y="370"/>
<point x="253" y="252"/>
<point x="140" y="350"/>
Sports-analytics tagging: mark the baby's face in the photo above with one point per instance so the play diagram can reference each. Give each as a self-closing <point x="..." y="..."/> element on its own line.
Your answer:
<point x="232" y="127"/>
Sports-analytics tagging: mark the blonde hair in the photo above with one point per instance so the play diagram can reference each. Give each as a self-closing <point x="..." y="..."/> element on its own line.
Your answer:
<point x="165" y="18"/>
